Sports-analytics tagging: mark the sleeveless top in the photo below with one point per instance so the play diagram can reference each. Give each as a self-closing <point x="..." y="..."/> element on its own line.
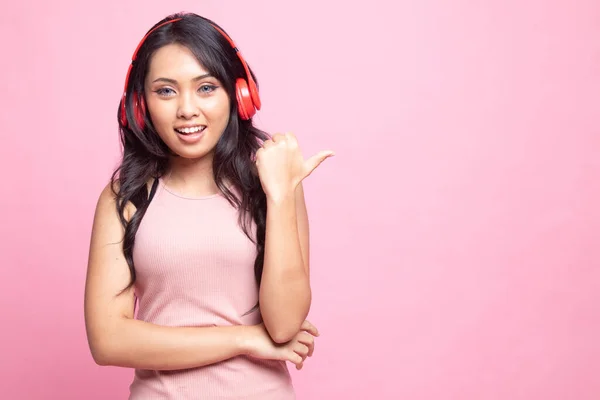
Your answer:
<point x="195" y="268"/>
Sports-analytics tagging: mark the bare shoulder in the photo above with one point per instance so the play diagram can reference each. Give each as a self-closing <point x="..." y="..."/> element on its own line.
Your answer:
<point x="108" y="194"/>
<point x="107" y="201"/>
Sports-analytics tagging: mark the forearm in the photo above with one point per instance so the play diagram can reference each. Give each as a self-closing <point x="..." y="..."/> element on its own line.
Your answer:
<point x="285" y="293"/>
<point x="138" y="344"/>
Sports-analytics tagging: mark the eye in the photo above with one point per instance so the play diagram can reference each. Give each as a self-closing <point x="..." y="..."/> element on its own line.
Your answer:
<point x="205" y="89"/>
<point x="163" y="92"/>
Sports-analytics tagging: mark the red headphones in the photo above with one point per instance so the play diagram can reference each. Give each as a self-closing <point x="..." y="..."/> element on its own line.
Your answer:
<point x="248" y="100"/>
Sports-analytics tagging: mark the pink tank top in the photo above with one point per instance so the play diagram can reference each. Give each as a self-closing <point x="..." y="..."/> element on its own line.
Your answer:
<point x="195" y="267"/>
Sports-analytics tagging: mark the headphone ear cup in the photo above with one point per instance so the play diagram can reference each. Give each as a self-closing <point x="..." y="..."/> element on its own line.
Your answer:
<point x="139" y="105"/>
<point x="244" y="99"/>
<point x="123" y="115"/>
<point x="254" y="93"/>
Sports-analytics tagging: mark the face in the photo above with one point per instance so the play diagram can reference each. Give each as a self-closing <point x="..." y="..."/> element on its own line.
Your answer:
<point x="188" y="108"/>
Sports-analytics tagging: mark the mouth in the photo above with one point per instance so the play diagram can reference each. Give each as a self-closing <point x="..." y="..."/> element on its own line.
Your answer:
<point x="192" y="130"/>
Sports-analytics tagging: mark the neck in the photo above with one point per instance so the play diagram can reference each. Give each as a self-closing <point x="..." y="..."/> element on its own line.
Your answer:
<point x="193" y="177"/>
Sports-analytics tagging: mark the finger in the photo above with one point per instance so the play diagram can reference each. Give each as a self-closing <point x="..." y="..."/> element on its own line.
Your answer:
<point x="295" y="358"/>
<point x="307" y="340"/>
<point x="309" y="327"/>
<point x="299" y="366"/>
<point x="277" y="137"/>
<point x="316" y="160"/>
<point x="302" y="350"/>
<point x="267" y="143"/>
<point x="258" y="155"/>
<point x="291" y="138"/>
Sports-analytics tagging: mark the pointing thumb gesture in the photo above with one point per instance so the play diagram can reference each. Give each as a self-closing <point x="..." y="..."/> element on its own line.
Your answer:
<point x="316" y="160"/>
<point x="281" y="166"/>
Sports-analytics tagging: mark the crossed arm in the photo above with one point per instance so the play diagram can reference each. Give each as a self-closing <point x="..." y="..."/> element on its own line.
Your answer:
<point x="116" y="338"/>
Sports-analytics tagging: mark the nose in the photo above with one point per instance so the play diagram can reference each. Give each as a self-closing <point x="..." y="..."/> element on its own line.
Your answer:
<point x="188" y="108"/>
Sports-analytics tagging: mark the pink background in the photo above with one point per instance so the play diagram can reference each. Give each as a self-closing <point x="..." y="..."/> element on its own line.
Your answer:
<point x="455" y="236"/>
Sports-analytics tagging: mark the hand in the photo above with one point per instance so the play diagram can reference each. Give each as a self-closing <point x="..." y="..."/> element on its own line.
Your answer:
<point x="281" y="166"/>
<point x="260" y="345"/>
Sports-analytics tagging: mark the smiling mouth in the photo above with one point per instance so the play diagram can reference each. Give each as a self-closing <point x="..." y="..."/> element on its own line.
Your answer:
<point x="190" y="131"/>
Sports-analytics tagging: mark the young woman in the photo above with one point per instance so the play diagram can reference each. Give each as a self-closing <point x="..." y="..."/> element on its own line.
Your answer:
<point x="204" y="225"/>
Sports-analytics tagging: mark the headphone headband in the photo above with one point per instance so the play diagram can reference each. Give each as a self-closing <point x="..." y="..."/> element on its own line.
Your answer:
<point x="138" y="49"/>
<point x="237" y="51"/>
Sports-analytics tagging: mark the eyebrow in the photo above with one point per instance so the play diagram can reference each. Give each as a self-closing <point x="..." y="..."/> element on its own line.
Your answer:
<point x="174" y="82"/>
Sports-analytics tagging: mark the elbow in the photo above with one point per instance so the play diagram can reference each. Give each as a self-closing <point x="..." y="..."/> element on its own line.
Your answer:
<point x="283" y="319"/>
<point x="101" y="361"/>
<point x="282" y="337"/>
<point x="283" y="334"/>
<point x="283" y="328"/>
<point x="104" y="348"/>
<point x="100" y="354"/>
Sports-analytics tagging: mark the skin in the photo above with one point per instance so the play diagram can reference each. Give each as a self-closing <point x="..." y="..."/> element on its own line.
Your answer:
<point x="186" y="100"/>
<point x="178" y="92"/>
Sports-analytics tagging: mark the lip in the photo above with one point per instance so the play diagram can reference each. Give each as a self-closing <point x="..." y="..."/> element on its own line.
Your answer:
<point x="191" y="138"/>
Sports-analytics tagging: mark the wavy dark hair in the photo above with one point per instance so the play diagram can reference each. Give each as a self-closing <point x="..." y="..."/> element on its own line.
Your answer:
<point x="145" y="156"/>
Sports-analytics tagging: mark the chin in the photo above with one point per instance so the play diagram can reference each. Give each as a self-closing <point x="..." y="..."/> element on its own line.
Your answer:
<point x="192" y="154"/>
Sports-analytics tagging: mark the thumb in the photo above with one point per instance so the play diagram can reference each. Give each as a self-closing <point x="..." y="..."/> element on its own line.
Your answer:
<point x="316" y="160"/>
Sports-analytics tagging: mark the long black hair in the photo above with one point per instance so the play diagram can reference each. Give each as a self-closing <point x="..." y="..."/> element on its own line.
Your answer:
<point x="145" y="156"/>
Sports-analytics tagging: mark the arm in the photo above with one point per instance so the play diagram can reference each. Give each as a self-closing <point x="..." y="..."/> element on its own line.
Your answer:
<point x="115" y="337"/>
<point x="285" y="293"/>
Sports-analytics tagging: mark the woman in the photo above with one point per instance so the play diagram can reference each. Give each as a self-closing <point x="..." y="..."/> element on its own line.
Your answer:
<point x="205" y="227"/>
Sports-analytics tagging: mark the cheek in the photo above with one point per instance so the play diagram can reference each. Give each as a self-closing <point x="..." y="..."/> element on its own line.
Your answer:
<point x="160" y="112"/>
<point x="161" y="115"/>
<point x="217" y="108"/>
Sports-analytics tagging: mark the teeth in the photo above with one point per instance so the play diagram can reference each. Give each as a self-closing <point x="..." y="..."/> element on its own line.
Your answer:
<point x="191" y="130"/>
